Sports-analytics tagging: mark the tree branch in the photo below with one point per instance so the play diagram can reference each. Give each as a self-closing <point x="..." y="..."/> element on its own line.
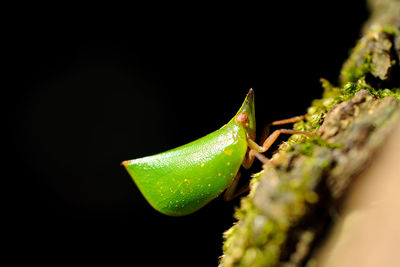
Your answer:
<point x="296" y="198"/>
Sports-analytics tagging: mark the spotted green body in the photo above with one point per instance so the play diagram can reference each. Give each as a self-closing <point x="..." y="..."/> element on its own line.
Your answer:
<point x="182" y="180"/>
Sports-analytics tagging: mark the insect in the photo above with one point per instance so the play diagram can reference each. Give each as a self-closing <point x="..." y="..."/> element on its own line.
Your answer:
<point x="182" y="180"/>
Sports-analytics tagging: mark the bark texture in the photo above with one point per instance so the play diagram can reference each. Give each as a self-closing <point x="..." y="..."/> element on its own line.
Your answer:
<point x="297" y="197"/>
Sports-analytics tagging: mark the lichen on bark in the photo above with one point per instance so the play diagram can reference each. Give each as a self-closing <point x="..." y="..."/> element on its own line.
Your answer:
<point x="294" y="198"/>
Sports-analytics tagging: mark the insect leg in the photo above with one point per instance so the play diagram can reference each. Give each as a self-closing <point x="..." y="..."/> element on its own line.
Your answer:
<point x="265" y="131"/>
<point x="249" y="158"/>
<point x="264" y="160"/>
<point x="272" y="138"/>
<point x="231" y="192"/>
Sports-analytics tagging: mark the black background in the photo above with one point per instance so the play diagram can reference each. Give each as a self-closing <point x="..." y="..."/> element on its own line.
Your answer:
<point x="83" y="97"/>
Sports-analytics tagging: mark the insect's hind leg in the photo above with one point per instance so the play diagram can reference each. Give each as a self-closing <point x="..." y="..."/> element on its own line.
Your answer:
<point x="250" y="156"/>
<point x="248" y="160"/>
<point x="231" y="193"/>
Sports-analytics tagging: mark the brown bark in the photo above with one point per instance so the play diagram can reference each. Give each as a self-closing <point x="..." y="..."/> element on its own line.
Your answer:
<point x="330" y="200"/>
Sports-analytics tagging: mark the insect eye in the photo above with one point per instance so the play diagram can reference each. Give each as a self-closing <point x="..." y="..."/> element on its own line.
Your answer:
<point x="241" y="118"/>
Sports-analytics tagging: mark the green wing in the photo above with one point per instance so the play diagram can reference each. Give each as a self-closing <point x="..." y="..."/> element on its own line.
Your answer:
<point x="182" y="180"/>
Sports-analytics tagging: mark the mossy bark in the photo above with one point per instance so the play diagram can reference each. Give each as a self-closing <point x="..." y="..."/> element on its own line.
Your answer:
<point x="294" y="200"/>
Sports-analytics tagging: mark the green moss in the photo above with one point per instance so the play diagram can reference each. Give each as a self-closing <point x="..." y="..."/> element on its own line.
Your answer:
<point x="395" y="92"/>
<point x="351" y="88"/>
<point x="389" y="29"/>
<point x="358" y="65"/>
<point x="306" y="148"/>
<point x="332" y="96"/>
<point x="247" y="240"/>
